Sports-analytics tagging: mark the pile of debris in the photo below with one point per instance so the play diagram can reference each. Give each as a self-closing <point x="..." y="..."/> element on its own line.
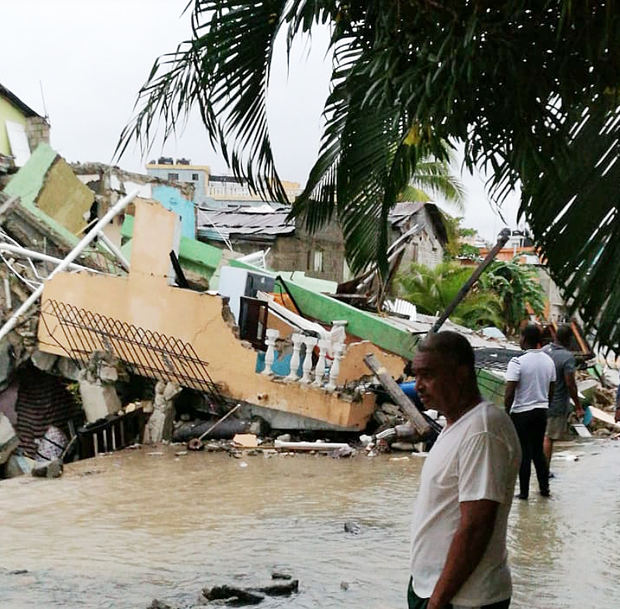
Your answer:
<point x="120" y="330"/>
<point x="237" y="596"/>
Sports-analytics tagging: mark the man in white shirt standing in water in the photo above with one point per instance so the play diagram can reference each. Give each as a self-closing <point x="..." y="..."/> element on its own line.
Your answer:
<point x="529" y="390"/>
<point x="458" y="550"/>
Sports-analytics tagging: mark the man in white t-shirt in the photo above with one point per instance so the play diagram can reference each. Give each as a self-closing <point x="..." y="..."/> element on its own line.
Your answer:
<point x="458" y="549"/>
<point x="529" y="389"/>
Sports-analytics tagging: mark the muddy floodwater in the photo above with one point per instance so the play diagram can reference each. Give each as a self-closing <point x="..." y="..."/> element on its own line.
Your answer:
<point x="123" y="529"/>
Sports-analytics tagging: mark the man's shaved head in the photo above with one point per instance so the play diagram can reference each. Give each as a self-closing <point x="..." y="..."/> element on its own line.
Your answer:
<point x="445" y="374"/>
<point x="451" y="346"/>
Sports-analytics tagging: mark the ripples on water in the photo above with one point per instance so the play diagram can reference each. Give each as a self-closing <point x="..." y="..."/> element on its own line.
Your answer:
<point x="118" y="531"/>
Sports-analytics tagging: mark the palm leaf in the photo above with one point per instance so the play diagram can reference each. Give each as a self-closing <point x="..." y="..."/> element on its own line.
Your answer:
<point x="224" y="71"/>
<point x="574" y="208"/>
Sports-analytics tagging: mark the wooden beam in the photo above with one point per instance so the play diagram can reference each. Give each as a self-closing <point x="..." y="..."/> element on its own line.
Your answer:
<point x="396" y="393"/>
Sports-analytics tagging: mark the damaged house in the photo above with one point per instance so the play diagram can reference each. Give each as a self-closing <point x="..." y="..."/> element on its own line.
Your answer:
<point x="321" y="255"/>
<point x="187" y="337"/>
<point x="21" y="131"/>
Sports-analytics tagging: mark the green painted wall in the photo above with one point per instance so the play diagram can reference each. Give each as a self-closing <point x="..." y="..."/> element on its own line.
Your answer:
<point x="491" y="386"/>
<point x="362" y="324"/>
<point x="28" y="182"/>
<point x="8" y="112"/>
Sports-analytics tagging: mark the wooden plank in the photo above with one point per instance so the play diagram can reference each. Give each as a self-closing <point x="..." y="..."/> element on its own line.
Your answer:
<point x="605" y="417"/>
<point x="396" y="393"/>
<point x="581" y="430"/>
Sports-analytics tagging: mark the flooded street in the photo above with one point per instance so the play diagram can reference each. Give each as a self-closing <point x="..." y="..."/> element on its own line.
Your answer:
<point x="120" y="530"/>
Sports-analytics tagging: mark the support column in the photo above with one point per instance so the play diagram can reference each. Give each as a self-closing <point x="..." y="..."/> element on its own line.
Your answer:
<point x="319" y="371"/>
<point x="335" y="369"/>
<point x="272" y="335"/>
<point x="310" y="342"/>
<point x="297" y="339"/>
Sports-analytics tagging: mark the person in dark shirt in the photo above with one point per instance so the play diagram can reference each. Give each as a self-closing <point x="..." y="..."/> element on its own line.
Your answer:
<point x="565" y="388"/>
<point x="617" y="417"/>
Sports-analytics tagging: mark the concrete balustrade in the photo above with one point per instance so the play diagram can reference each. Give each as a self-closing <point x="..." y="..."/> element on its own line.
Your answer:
<point x="320" y="376"/>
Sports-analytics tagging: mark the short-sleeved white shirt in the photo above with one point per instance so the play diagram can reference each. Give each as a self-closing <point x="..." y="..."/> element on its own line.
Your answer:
<point x="534" y="371"/>
<point x="477" y="457"/>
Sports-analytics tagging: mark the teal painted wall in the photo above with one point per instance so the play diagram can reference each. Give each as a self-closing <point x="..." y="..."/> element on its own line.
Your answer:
<point x="173" y="200"/>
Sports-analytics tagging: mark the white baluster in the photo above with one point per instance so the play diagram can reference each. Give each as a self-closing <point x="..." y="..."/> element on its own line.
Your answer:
<point x="319" y="371"/>
<point x="310" y="342"/>
<point x="335" y="369"/>
<point x="272" y="335"/>
<point x="295" y="358"/>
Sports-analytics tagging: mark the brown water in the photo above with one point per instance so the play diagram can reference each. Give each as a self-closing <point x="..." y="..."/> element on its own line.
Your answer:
<point x="120" y="530"/>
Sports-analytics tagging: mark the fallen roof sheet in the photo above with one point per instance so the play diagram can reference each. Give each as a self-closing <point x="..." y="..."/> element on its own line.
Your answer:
<point x="263" y="220"/>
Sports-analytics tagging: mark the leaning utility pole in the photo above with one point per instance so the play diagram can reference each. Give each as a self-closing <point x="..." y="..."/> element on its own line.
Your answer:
<point x="501" y="241"/>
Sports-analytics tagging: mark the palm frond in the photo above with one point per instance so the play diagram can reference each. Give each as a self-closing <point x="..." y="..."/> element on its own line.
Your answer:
<point x="574" y="209"/>
<point x="408" y="77"/>
<point x="224" y="71"/>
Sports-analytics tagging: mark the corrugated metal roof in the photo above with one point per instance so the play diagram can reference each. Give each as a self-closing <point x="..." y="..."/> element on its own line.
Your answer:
<point x="262" y="220"/>
<point x="270" y="219"/>
<point x="404" y="210"/>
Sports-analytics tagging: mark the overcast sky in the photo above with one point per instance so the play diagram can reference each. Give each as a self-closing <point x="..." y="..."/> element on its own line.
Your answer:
<point x="90" y="57"/>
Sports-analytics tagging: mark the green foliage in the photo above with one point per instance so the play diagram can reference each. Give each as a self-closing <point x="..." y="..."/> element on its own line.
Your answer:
<point x="468" y="251"/>
<point x="431" y="290"/>
<point x="500" y="298"/>
<point x="529" y="88"/>
<point x="455" y="247"/>
<point x="432" y="179"/>
<point x="518" y="288"/>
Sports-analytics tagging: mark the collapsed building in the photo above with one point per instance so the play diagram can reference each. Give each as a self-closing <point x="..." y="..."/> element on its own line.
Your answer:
<point x="150" y="334"/>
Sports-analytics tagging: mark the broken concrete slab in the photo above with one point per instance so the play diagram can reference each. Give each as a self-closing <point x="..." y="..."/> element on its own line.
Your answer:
<point x="245" y="440"/>
<point x="98" y="400"/>
<point x="18" y="465"/>
<point x="48" y="469"/>
<point x="171" y="390"/>
<point x="43" y="361"/>
<point x="68" y="368"/>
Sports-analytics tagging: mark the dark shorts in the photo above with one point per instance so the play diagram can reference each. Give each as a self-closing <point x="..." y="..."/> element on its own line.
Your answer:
<point x="415" y="602"/>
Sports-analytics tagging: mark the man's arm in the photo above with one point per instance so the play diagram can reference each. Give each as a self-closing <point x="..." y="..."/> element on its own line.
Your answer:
<point x="466" y="550"/>
<point x="509" y="395"/>
<point x="569" y="379"/>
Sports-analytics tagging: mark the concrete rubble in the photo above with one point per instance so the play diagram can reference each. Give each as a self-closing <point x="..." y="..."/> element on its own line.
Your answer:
<point x="153" y="337"/>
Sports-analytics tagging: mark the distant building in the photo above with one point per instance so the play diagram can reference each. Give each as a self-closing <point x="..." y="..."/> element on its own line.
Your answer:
<point x="227" y="191"/>
<point x="183" y="172"/>
<point x="212" y="191"/>
<point x="21" y="129"/>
